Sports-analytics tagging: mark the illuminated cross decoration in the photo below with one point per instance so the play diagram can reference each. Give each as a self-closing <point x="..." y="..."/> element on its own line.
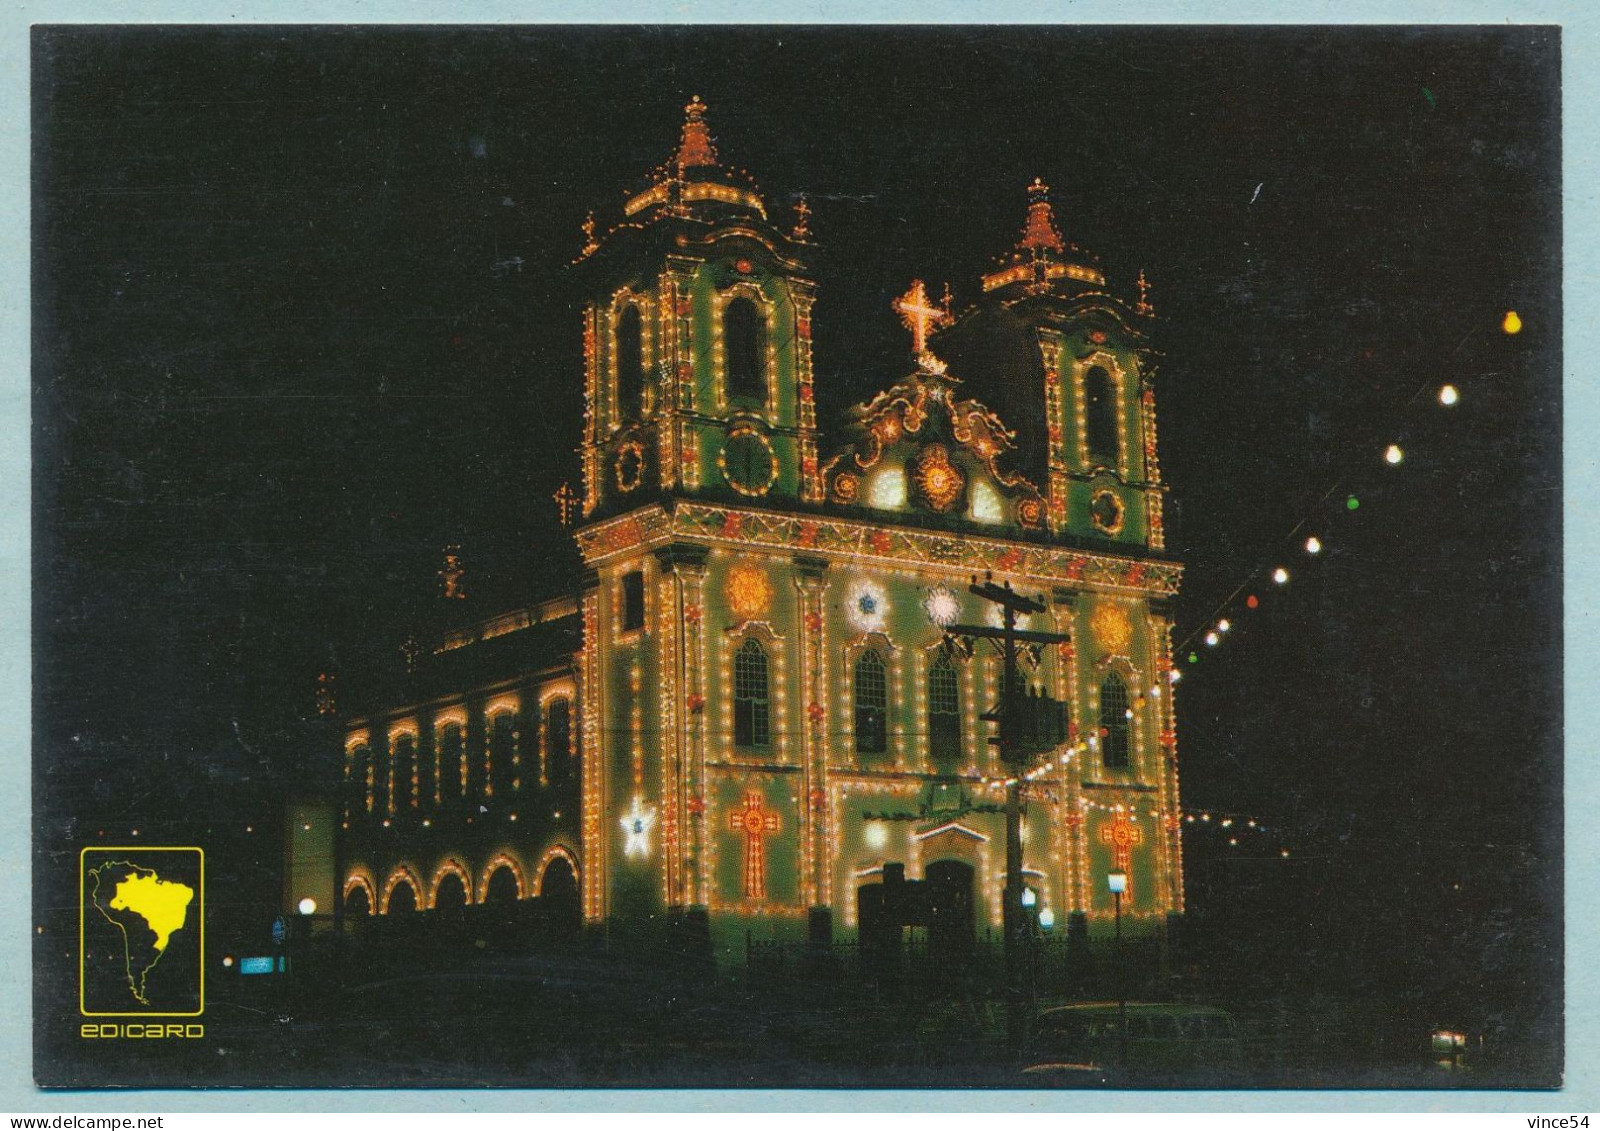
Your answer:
<point x="452" y="573"/>
<point x="566" y="503"/>
<point x="919" y="314"/>
<point x="756" y="824"/>
<point x="802" y="220"/>
<point x="327" y="701"/>
<point x="1144" y="306"/>
<point x="1121" y="834"/>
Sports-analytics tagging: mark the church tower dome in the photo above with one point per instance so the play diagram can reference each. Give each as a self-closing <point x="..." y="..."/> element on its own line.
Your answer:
<point x="1042" y="261"/>
<point x="693" y="181"/>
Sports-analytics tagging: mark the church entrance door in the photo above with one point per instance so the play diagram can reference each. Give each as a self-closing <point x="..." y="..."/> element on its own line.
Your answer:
<point x="951" y="927"/>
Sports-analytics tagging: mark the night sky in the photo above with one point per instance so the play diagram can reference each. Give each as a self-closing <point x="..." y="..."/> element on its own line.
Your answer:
<point x="302" y="316"/>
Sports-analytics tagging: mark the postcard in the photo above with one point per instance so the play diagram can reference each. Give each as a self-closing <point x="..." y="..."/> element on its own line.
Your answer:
<point x="797" y="557"/>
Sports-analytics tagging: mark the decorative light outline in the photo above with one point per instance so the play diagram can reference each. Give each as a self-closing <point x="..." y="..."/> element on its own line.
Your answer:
<point x="636" y="826"/>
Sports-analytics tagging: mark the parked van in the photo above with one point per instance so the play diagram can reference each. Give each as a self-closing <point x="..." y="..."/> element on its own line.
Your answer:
<point x="1161" y="1037"/>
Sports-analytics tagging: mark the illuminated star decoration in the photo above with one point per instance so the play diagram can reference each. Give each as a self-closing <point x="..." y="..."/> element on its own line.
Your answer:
<point x="869" y="607"/>
<point x="637" y="826"/>
<point x="942" y="606"/>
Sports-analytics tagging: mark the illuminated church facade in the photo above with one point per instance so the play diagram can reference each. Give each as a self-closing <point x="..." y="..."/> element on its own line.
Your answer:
<point x="761" y="699"/>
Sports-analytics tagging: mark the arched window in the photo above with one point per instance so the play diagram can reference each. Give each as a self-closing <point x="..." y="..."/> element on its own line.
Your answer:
<point x="403" y="899"/>
<point x="449" y="894"/>
<point x="752" y="709"/>
<point x="362" y="774"/>
<point x="503" y="887"/>
<point x="1100" y="416"/>
<point x="944" y="711"/>
<point x="558" y="736"/>
<point x="630" y="365"/>
<point x="744" y="349"/>
<point x="872" y="704"/>
<point x="1114" y="723"/>
<point x="558" y="892"/>
<point x="502" y="751"/>
<point x="403" y="766"/>
<point x="452" y="763"/>
<point x="357" y="903"/>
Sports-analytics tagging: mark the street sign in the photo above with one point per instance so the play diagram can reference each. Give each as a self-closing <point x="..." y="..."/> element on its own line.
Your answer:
<point x="280" y="930"/>
<point x="262" y="965"/>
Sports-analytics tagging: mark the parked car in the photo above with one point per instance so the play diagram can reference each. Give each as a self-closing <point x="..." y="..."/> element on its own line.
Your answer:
<point x="1076" y="1041"/>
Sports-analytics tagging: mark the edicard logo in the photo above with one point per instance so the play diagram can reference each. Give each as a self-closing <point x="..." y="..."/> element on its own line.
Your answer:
<point x="141" y="916"/>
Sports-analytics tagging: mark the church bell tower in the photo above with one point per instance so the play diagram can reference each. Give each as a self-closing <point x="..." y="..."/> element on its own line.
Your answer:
<point x="697" y="342"/>
<point x="1065" y="358"/>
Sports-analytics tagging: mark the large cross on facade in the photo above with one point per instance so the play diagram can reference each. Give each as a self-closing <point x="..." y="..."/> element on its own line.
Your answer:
<point x="1122" y="834"/>
<point x="756" y="823"/>
<point x="919" y="314"/>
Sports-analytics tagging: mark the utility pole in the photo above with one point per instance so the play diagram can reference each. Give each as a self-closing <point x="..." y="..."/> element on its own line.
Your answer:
<point x="1016" y="930"/>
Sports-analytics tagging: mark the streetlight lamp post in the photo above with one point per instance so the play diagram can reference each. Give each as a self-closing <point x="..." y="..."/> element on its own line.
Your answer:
<point x="1117" y="881"/>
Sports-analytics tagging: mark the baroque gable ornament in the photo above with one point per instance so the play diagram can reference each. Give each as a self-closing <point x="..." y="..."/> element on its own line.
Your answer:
<point x="939" y="482"/>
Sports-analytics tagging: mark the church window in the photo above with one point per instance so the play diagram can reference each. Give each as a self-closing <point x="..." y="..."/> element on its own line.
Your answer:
<point x="1114" y="723"/>
<point x="633" y="601"/>
<point x="403" y="767"/>
<point x="944" y="711"/>
<point x="502" y="751"/>
<point x="1100" y="412"/>
<point x="558" y="737"/>
<point x="872" y="704"/>
<point x="357" y="903"/>
<point x="630" y="365"/>
<point x="452" y="762"/>
<point x="752" y="709"/>
<point x="986" y="503"/>
<point x="403" y="899"/>
<point x="744" y="351"/>
<point x="502" y="887"/>
<point x="362" y="770"/>
<point x="886" y="488"/>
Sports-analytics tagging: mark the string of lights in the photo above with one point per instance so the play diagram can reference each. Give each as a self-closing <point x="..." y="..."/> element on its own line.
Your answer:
<point x="1306" y="535"/>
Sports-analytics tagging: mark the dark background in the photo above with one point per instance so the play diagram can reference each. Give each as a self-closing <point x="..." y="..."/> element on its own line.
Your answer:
<point x="302" y="316"/>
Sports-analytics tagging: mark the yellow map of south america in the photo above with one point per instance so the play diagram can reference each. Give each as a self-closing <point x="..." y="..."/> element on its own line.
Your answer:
<point x="159" y="906"/>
